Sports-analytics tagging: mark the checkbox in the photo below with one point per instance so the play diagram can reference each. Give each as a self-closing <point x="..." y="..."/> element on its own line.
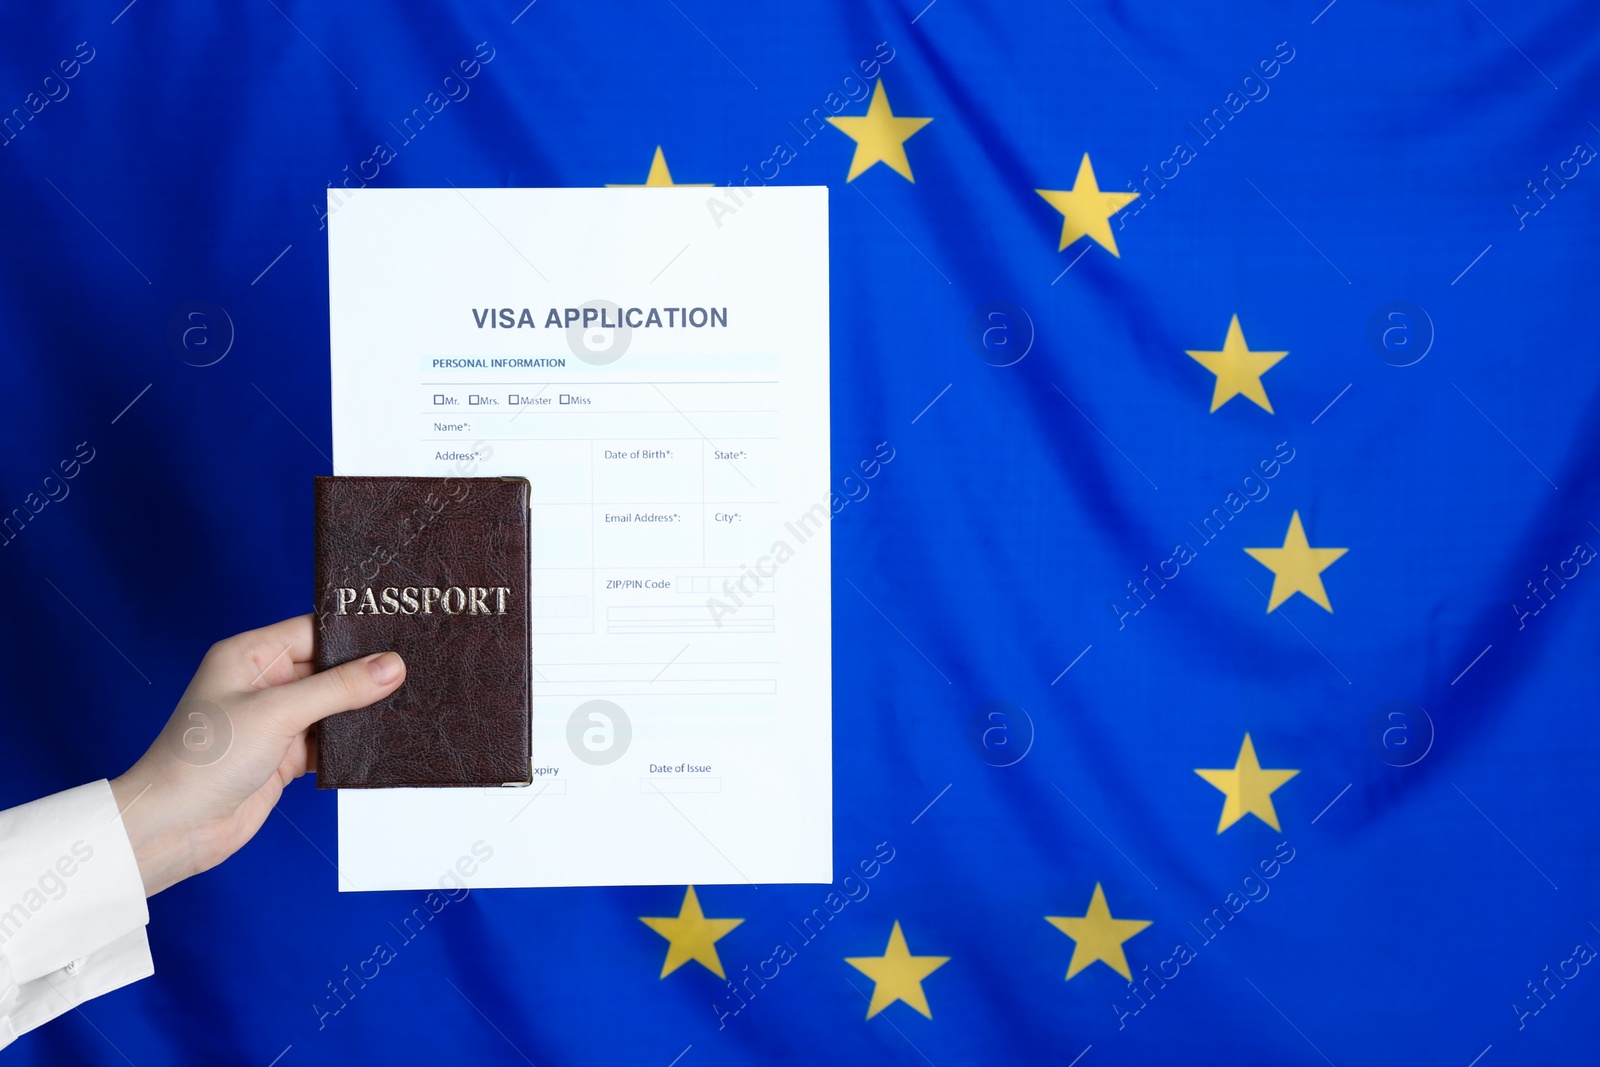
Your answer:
<point x="565" y="399"/>
<point x="472" y="398"/>
<point x="438" y="398"/>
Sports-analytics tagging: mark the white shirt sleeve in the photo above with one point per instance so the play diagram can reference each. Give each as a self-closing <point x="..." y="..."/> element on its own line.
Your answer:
<point x="72" y="907"/>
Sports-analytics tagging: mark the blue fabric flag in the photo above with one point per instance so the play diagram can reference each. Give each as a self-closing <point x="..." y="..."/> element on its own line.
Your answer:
<point x="1214" y="432"/>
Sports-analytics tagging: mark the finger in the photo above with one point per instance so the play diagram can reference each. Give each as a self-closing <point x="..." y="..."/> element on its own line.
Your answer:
<point x="293" y="764"/>
<point x="295" y="632"/>
<point x="265" y="656"/>
<point x="343" y="688"/>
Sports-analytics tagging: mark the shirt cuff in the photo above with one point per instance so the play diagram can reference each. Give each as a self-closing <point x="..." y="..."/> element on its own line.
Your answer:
<point x="69" y="886"/>
<point x="125" y="960"/>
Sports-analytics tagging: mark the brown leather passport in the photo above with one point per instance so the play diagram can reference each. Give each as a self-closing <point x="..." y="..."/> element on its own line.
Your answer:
<point x="435" y="569"/>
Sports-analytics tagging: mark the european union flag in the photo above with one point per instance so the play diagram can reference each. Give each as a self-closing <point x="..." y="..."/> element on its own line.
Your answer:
<point x="1214" y="633"/>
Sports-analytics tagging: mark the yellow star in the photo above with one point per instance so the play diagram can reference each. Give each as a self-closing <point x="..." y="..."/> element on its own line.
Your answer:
<point x="1248" y="788"/>
<point x="659" y="178"/>
<point x="1086" y="210"/>
<point x="1238" y="369"/>
<point x="1097" y="935"/>
<point x="897" y="974"/>
<point x="880" y="136"/>
<point x="1296" y="567"/>
<point x="691" y="936"/>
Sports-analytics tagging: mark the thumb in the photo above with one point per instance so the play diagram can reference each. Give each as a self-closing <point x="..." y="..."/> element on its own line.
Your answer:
<point x="343" y="688"/>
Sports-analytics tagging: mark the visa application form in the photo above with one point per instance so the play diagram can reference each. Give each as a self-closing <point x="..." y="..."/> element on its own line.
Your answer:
<point x="655" y="362"/>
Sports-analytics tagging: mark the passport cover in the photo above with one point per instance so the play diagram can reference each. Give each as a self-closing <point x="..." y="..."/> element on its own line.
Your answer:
<point x="435" y="569"/>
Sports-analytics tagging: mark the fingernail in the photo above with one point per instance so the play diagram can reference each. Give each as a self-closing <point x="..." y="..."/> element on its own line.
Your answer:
<point x="385" y="667"/>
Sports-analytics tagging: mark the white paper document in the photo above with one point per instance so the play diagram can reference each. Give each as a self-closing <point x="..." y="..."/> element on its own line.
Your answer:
<point x="655" y="362"/>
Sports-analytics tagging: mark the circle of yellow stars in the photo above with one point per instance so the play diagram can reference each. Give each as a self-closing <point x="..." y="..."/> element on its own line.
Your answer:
<point x="1098" y="936"/>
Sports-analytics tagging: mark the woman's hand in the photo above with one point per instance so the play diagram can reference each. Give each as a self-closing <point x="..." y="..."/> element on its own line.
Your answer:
<point x="238" y="736"/>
